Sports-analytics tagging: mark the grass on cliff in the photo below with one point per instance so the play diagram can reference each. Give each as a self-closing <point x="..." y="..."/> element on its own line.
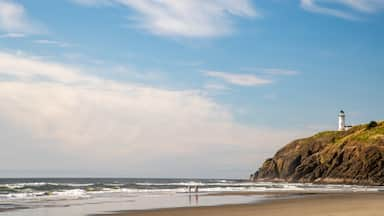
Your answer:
<point x="360" y="134"/>
<point x="325" y="133"/>
<point x="371" y="134"/>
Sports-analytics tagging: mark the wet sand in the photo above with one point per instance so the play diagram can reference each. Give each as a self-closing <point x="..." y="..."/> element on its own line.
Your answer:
<point x="348" y="204"/>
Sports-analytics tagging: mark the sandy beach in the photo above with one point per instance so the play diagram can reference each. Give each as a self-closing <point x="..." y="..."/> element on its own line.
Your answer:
<point x="348" y="204"/>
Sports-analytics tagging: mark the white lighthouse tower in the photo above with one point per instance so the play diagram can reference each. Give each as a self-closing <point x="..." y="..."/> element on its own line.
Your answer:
<point x="342" y="121"/>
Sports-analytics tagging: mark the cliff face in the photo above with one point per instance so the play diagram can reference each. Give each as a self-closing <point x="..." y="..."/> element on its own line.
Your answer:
<point x="355" y="156"/>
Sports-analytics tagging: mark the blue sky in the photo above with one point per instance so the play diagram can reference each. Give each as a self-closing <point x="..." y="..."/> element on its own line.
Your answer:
<point x="100" y="82"/>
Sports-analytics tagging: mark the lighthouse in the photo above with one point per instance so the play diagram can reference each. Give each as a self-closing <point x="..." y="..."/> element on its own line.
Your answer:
<point x="342" y="121"/>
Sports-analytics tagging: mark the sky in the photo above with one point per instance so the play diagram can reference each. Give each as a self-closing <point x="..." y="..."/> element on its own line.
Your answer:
<point x="179" y="88"/>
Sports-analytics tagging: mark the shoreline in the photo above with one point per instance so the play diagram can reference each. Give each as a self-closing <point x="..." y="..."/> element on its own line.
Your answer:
<point x="292" y="204"/>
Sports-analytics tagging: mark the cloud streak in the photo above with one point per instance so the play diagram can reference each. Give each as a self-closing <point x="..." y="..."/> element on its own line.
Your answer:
<point x="272" y="71"/>
<point x="238" y="79"/>
<point x="345" y="9"/>
<point x="280" y="72"/>
<point x="185" y="18"/>
<point x="52" y="43"/>
<point x="12" y="35"/>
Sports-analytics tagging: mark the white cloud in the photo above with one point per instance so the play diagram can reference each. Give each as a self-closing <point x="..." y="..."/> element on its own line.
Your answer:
<point x="60" y="111"/>
<point x="346" y="9"/>
<point x="12" y="35"/>
<point x="215" y="86"/>
<point x="52" y="42"/>
<point x="278" y="71"/>
<point x="93" y="2"/>
<point x="26" y="68"/>
<point x="367" y="6"/>
<point x="14" y="19"/>
<point x="186" y="18"/>
<point x="238" y="79"/>
<point x="272" y="71"/>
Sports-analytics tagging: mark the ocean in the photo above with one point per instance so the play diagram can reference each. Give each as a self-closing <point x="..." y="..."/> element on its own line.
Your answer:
<point x="86" y="196"/>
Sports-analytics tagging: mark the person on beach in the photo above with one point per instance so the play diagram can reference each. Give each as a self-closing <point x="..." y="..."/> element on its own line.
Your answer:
<point x="196" y="189"/>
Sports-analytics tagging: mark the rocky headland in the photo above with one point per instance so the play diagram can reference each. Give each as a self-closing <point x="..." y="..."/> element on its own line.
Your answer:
<point x="355" y="156"/>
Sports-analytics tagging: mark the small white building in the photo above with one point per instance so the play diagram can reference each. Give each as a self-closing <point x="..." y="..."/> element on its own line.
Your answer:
<point x="342" y="126"/>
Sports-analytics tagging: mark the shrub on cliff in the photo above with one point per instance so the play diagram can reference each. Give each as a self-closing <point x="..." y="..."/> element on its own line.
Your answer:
<point x="371" y="125"/>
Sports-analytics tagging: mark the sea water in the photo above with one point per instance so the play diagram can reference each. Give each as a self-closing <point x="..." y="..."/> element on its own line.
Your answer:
<point x="85" y="196"/>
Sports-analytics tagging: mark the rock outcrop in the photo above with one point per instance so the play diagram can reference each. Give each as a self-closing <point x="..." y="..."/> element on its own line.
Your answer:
<point x="355" y="156"/>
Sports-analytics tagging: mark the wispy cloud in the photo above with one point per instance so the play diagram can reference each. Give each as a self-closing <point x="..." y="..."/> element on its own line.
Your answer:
<point x="366" y="6"/>
<point x="93" y="2"/>
<point x="14" y="19"/>
<point x="12" y="35"/>
<point x="272" y="71"/>
<point x="52" y="43"/>
<point x="238" y="79"/>
<point x="186" y="18"/>
<point x="278" y="71"/>
<point x="215" y="87"/>
<point x="345" y="9"/>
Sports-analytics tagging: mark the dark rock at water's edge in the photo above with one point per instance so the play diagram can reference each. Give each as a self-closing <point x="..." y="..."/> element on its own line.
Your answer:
<point x="355" y="156"/>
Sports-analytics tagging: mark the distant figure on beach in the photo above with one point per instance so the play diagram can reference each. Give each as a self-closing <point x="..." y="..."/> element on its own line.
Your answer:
<point x="196" y="189"/>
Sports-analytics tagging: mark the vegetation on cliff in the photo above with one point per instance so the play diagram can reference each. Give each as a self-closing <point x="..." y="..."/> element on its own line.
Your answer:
<point x="355" y="156"/>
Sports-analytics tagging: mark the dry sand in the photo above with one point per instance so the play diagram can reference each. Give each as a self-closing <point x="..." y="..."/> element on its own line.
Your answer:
<point x="351" y="204"/>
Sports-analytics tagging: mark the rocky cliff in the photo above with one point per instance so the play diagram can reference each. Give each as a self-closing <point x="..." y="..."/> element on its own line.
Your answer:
<point x="355" y="156"/>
